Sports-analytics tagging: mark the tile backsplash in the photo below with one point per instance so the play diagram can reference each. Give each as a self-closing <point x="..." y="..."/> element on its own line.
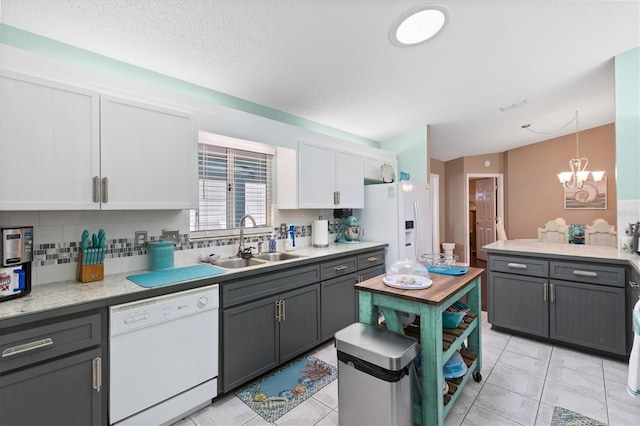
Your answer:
<point x="57" y="237"/>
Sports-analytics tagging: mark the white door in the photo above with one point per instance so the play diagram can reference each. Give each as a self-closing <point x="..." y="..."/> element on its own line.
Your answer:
<point x="49" y="144"/>
<point x="485" y="215"/>
<point x="148" y="155"/>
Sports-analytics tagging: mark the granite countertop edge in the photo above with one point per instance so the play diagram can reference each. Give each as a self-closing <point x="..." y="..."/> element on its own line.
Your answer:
<point x="62" y="297"/>
<point x="578" y="252"/>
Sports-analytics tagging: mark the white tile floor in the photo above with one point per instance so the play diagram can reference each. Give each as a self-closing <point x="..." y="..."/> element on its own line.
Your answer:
<point x="522" y="381"/>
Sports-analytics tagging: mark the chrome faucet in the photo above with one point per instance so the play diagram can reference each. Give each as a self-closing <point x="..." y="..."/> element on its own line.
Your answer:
<point x="242" y="251"/>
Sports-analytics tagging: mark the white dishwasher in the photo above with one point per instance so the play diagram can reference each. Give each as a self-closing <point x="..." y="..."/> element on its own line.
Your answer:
<point x="163" y="361"/>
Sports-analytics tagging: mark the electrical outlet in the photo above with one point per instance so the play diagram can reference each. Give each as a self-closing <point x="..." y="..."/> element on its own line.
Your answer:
<point x="170" y="235"/>
<point x="140" y="239"/>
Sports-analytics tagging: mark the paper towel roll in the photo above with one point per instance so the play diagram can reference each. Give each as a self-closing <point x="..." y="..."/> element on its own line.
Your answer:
<point x="320" y="233"/>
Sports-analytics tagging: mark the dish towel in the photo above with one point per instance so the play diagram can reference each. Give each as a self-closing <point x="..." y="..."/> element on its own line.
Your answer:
<point x="633" y="382"/>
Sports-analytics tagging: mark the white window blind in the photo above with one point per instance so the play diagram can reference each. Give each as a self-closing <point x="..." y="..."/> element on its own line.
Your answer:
<point x="232" y="182"/>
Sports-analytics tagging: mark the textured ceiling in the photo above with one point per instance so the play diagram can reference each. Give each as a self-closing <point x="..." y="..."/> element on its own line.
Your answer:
<point x="331" y="61"/>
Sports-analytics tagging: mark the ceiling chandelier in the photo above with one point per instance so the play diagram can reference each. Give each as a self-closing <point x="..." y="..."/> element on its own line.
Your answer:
<point x="579" y="174"/>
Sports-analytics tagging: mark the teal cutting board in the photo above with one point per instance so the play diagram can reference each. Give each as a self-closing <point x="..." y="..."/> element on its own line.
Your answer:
<point x="176" y="275"/>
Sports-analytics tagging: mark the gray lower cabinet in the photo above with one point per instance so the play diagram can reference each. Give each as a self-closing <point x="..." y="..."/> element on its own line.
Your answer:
<point x="52" y="373"/>
<point x="580" y="303"/>
<point x="517" y="302"/>
<point x="266" y="321"/>
<point x="339" y="303"/>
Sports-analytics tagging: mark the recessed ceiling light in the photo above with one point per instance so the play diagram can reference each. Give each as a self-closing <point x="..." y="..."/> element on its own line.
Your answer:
<point x="418" y="25"/>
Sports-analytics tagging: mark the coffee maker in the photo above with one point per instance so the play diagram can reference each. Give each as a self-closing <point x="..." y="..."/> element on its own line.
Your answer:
<point x="16" y="255"/>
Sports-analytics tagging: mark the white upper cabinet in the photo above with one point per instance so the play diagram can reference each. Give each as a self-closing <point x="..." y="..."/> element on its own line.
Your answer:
<point x="148" y="156"/>
<point x="329" y="178"/>
<point x="68" y="148"/>
<point x="49" y="144"/>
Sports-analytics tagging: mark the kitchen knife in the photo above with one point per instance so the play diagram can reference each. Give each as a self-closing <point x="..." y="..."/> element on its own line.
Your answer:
<point x="84" y="244"/>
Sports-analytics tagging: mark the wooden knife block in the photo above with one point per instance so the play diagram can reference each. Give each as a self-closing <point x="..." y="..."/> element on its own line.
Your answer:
<point x="89" y="273"/>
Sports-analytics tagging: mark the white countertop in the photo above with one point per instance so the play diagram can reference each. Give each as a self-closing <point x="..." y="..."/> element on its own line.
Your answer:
<point x="55" y="295"/>
<point x="558" y="249"/>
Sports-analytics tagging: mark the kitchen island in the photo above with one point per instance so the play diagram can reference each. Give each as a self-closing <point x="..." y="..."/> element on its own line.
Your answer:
<point x="437" y="346"/>
<point x="575" y="295"/>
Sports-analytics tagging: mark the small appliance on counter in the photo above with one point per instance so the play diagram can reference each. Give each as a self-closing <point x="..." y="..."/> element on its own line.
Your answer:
<point x="16" y="255"/>
<point x="350" y="231"/>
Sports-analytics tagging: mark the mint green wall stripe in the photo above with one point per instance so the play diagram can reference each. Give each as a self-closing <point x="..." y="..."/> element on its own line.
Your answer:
<point x="38" y="44"/>
<point x="627" y="92"/>
<point x="411" y="151"/>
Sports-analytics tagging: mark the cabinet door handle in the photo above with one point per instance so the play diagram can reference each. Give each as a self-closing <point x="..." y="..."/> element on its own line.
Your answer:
<point x="284" y="310"/>
<point x="278" y="310"/>
<point x="26" y="347"/>
<point x="517" y="265"/>
<point x="97" y="373"/>
<point x="553" y="293"/>
<point x="372" y="259"/>
<point x="96" y="189"/>
<point x="341" y="268"/>
<point x="585" y="273"/>
<point x="546" y="291"/>
<point x="105" y="190"/>
<point x="336" y="197"/>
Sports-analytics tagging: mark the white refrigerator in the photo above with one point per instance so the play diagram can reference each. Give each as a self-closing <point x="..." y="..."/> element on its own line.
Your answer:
<point x="398" y="214"/>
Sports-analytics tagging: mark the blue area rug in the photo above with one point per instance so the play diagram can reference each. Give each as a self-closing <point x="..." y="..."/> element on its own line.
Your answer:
<point x="564" y="417"/>
<point x="277" y="392"/>
<point x="172" y="276"/>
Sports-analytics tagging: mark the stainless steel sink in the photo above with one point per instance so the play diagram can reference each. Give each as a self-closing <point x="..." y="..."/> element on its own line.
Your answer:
<point x="238" y="262"/>
<point x="275" y="257"/>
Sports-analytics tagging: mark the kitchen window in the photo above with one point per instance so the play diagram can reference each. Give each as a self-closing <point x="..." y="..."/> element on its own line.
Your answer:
<point x="234" y="178"/>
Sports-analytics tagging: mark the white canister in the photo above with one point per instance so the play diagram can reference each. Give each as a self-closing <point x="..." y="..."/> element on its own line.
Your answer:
<point x="320" y="233"/>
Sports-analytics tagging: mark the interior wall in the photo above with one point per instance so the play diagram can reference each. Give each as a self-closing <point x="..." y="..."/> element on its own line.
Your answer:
<point x="456" y="211"/>
<point x="534" y="194"/>
<point x="436" y="167"/>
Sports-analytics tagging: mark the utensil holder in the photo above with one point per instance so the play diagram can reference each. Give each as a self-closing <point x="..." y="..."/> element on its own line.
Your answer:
<point x="89" y="273"/>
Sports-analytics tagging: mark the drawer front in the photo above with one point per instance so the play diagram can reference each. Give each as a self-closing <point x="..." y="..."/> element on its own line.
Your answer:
<point x="371" y="259"/>
<point x="519" y="265"/>
<point x="338" y="268"/>
<point x="47" y="341"/>
<point x="250" y="289"/>
<point x="588" y="273"/>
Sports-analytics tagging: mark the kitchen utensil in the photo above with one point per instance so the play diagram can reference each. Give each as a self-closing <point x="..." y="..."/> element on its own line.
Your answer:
<point x="407" y="282"/>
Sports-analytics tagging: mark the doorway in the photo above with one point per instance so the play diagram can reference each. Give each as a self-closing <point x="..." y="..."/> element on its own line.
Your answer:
<point x="482" y="219"/>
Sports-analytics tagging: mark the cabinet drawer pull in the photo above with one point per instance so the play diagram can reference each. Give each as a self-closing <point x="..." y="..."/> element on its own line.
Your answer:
<point x="341" y="268"/>
<point x="517" y="265"/>
<point x="546" y="291"/>
<point x="15" y="350"/>
<point x="97" y="373"/>
<point x="372" y="259"/>
<point x="585" y="273"/>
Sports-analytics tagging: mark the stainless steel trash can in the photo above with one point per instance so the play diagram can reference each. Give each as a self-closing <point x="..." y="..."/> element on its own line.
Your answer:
<point x="374" y="380"/>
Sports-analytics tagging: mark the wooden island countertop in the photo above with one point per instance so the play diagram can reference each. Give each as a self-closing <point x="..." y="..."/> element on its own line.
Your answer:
<point x="444" y="286"/>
